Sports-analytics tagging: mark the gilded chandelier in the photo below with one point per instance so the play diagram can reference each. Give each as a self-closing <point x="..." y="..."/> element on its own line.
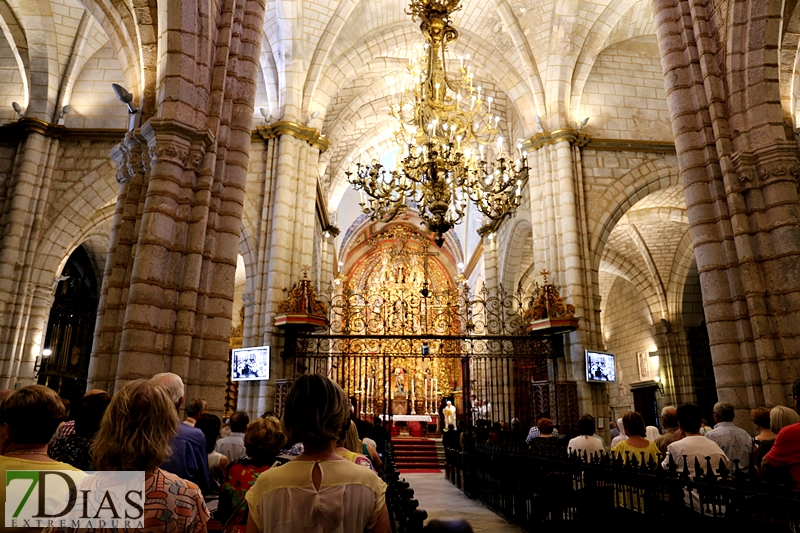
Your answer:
<point x="450" y="150"/>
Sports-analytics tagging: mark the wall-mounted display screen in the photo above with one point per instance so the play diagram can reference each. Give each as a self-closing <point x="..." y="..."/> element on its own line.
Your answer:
<point x="600" y="367"/>
<point x="250" y="364"/>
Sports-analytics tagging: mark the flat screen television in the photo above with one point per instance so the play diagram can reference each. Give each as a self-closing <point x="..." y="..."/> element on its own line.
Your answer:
<point x="250" y="364"/>
<point x="600" y="367"/>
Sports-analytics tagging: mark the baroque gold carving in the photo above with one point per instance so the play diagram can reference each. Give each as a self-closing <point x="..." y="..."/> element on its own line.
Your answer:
<point x="547" y="302"/>
<point x="303" y="299"/>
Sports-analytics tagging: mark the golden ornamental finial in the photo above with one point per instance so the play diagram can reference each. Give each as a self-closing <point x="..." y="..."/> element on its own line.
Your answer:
<point x="544" y="273"/>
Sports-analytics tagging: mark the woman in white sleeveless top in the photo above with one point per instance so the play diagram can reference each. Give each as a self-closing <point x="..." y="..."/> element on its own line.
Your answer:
<point x="318" y="492"/>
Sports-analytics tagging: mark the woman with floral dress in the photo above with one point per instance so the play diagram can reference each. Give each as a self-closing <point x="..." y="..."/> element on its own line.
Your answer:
<point x="263" y="441"/>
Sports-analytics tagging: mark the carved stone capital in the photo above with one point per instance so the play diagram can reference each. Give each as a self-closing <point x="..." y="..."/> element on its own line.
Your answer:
<point x="174" y="142"/>
<point x="249" y="299"/>
<point x="570" y="135"/>
<point x="129" y="157"/>
<point x="778" y="162"/>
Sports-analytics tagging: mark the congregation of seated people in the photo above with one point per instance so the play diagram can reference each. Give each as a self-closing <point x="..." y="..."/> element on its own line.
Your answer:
<point x="773" y="446"/>
<point x="201" y="469"/>
<point x="319" y="464"/>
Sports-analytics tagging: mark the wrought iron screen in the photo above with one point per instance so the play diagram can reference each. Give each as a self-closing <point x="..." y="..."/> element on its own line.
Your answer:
<point x="426" y="349"/>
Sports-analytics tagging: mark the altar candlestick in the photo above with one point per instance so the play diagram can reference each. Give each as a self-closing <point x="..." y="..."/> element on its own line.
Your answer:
<point x="413" y="397"/>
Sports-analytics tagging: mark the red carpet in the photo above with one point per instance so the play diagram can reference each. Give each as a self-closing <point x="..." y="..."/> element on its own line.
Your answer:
<point x="414" y="471"/>
<point x="415" y="454"/>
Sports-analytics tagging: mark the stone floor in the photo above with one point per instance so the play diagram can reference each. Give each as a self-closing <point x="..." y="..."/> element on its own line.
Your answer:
<point x="443" y="500"/>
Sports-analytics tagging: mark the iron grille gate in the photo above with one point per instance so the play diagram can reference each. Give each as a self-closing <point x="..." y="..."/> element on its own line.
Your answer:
<point x="499" y="371"/>
<point x="397" y="348"/>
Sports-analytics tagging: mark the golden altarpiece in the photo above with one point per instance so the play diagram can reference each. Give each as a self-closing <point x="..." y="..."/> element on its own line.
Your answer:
<point x="402" y="334"/>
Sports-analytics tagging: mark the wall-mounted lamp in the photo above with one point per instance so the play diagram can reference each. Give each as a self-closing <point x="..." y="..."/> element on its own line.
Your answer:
<point x="265" y="114"/>
<point x="311" y="117"/>
<point x="660" y="385"/>
<point x="327" y="234"/>
<point x="125" y="97"/>
<point x="583" y="123"/>
<point x="66" y="110"/>
<point x="17" y="109"/>
<point x="47" y="352"/>
<point x="491" y="236"/>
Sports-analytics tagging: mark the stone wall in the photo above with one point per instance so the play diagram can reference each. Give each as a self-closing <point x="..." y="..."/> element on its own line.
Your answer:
<point x="627" y="330"/>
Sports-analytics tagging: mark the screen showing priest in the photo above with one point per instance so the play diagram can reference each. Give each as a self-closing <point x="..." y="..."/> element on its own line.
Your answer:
<point x="600" y="367"/>
<point x="250" y="364"/>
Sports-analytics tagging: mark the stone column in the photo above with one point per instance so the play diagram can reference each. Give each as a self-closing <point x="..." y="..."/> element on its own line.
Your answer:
<point x="168" y="289"/>
<point x="558" y="219"/>
<point x="286" y="245"/>
<point x="739" y="171"/>
<point x="25" y="194"/>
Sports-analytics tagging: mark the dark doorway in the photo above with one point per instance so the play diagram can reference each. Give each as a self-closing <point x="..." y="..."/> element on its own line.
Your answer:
<point x="644" y="403"/>
<point x="70" y="330"/>
<point x="705" y="386"/>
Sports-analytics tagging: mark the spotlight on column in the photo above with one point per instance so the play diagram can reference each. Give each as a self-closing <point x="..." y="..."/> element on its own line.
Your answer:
<point x="491" y="236"/>
<point x="17" y="109"/>
<point x="265" y="114"/>
<point x="66" y="110"/>
<point x="47" y="352"/>
<point x="125" y="97"/>
<point x="583" y="123"/>
<point x="311" y="118"/>
<point x="460" y="266"/>
<point x="327" y="234"/>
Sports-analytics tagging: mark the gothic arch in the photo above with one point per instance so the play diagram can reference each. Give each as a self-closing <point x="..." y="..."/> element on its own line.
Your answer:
<point x="376" y="44"/>
<point x="137" y="61"/>
<point x="72" y="225"/>
<point x="516" y="254"/>
<point x="592" y="48"/>
<point x="607" y="210"/>
<point x="681" y="265"/>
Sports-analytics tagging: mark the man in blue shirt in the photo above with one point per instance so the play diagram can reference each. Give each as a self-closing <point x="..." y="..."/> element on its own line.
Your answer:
<point x="189" y="458"/>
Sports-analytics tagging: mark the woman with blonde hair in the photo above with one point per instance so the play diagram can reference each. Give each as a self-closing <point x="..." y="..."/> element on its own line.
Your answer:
<point x="263" y="440"/>
<point x="782" y="416"/>
<point x="348" y="445"/>
<point x="318" y="491"/>
<point x="135" y="435"/>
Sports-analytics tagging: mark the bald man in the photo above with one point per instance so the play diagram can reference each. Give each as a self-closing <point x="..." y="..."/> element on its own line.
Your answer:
<point x="669" y="421"/>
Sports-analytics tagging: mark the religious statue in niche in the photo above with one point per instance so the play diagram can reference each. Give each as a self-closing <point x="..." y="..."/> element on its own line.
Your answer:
<point x="400" y="379"/>
<point x="644" y="373"/>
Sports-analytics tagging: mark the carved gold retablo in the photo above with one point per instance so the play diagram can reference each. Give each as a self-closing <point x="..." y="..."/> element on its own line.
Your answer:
<point x="302" y="309"/>
<point x="549" y="314"/>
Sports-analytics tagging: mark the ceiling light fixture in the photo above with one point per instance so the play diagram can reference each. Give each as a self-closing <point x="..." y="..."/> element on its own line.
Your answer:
<point x="450" y="150"/>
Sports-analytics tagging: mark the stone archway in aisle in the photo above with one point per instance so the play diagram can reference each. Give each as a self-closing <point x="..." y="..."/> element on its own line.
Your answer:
<point x="64" y="362"/>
